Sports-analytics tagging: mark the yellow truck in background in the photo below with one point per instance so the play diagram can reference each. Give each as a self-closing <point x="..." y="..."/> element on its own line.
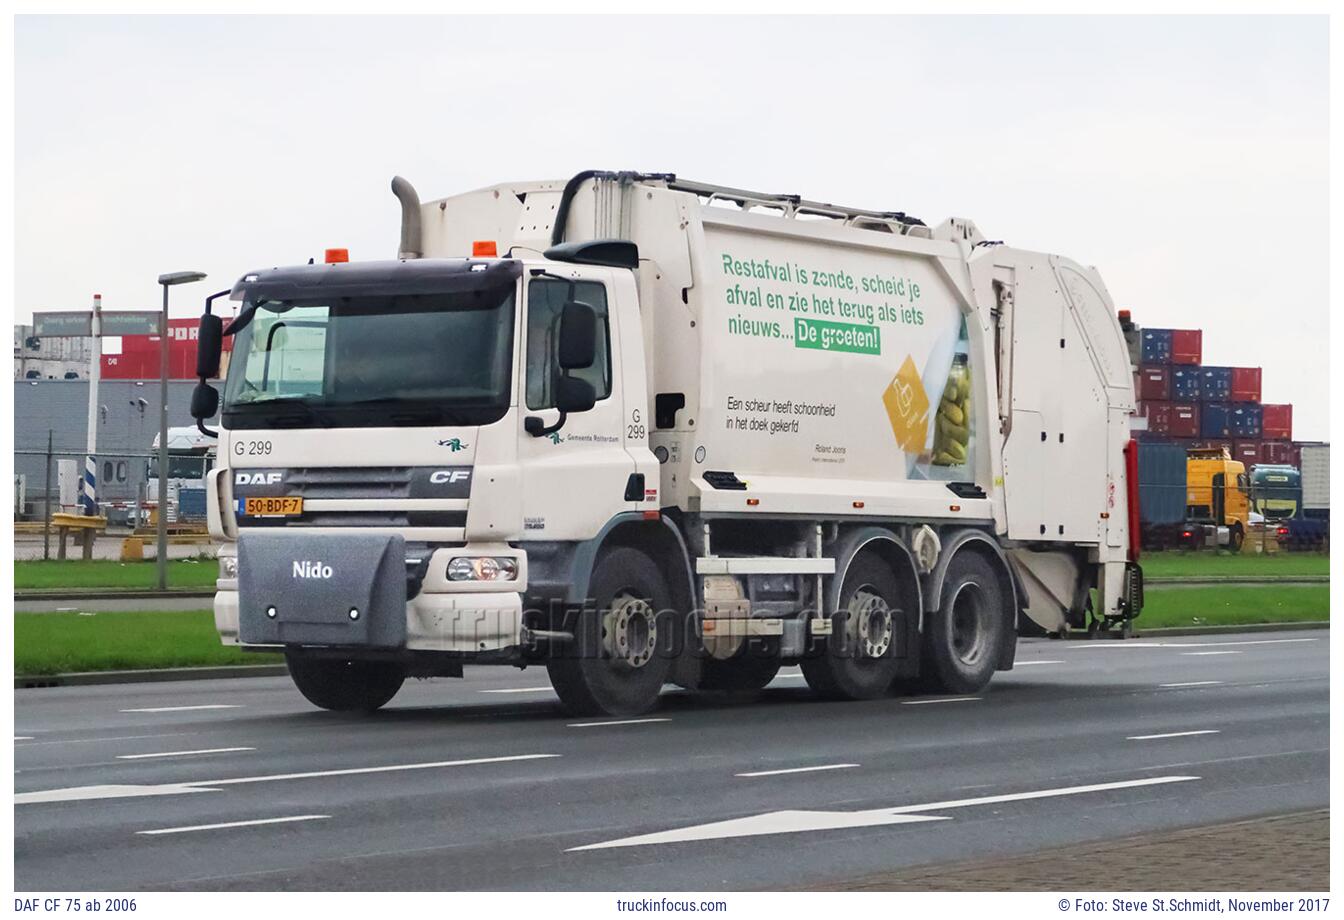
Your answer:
<point x="1217" y="499"/>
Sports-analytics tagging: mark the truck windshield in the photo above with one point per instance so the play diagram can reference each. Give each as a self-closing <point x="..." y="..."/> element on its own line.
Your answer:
<point x="373" y="361"/>
<point x="180" y="466"/>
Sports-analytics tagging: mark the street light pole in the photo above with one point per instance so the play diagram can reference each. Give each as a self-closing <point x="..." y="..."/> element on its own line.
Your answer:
<point x="161" y="556"/>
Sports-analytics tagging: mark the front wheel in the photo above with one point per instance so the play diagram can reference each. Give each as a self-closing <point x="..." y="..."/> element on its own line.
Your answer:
<point x="1236" y="538"/>
<point x="964" y="635"/>
<point x="343" y="685"/>
<point x="620" y="656"/>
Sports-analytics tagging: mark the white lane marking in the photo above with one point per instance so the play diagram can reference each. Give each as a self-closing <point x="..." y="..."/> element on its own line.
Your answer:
<point x="215" y="827"/>
<point x="617" y="722"/>
<point x="183" y="753"/>
<point x="790" y="677"/>
<point x="82" y="793"/>
<point x="118" y="738"/>
<point x="23" y="737"/>
<point x="88" y="793"/>
<point x="829" y="766"/>
<point x="791" y="822"/>
<point x="184" y="708"/>
<point x="1027" y="664"/>
<point x="953" y="699"/>
<point x="1193" y="683"/>
<point x="1206" y="731"/>
<point x="1246" y="642"/>
<point x="355" y="771"/>
<point x="520" y="690"/>
<point x="1224" y="652"/>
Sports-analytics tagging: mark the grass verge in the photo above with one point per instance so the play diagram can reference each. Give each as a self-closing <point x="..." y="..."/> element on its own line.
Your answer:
<point x="60" y="643"/>
<point x="1210" y="563"/>
<point x="1235" y="605"/>
<point x="51" y="574"/>
<point x="57" y="643"/>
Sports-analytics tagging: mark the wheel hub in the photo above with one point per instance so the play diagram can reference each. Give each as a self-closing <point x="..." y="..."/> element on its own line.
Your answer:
<point x="630" y="631"/>
<point x="872" y="624"/>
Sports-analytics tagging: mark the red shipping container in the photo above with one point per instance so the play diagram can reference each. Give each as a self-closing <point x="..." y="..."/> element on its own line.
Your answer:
<point x="1277" y="422"/>
<point x="1159" y="416"/>
<point x="1187" y="346"/>
<point x="1276" y="452"/>
<point x="139" y="358"/>
<point x="1245" y="384"/>
<point x="1183" y="422"/>
<point x="1248" y="452"/>
<point x="1154" y="382"/>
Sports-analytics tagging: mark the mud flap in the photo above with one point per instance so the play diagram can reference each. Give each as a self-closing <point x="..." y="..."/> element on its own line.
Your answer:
<point x="322" y="589"/>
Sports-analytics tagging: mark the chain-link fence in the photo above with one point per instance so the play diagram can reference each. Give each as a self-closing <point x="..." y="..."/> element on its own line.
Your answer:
<point x="48" y="483"/>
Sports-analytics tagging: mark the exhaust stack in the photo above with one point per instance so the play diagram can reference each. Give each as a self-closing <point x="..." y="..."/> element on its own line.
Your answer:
<point x="410" y="219"/>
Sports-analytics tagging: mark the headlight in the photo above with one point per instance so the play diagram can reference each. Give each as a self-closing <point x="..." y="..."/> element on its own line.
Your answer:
<point x="483" y="568"/>
<point x="228" y="566"/>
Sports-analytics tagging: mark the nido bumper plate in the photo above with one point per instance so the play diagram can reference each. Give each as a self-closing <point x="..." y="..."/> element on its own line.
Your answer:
<point x="322" y="589"/>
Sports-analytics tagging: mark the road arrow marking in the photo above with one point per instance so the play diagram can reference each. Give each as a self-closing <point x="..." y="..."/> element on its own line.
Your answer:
<point x="792" y="822"/>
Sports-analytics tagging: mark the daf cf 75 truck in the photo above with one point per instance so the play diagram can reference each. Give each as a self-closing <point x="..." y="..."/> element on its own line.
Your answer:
<point x="642" y="430"/>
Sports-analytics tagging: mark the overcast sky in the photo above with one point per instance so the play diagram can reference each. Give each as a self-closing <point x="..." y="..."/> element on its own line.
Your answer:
<point x="1185" y="157"/>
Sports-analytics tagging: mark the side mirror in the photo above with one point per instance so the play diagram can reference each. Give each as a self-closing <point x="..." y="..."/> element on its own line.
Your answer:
<point x="209" y="346"/>
<point x="578" y="336"/>
<point x="574" y="395"/>
<point x="204" y="402"/>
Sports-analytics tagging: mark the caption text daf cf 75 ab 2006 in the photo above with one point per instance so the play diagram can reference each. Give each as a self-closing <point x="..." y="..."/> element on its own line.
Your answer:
<point x="643" y="430"/>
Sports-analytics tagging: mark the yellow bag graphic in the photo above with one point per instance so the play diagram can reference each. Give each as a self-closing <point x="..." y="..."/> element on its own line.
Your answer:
<point x="907" y="407"/>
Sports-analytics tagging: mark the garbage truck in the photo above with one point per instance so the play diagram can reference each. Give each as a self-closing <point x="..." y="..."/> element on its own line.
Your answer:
<point x="641" y="431"/>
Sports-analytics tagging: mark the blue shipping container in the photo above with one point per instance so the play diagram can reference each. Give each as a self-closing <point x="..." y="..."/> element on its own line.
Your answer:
<point x="1247" y="420"/>
<point x="1215" y="420"/>
<point x="1161" y="483"/>
<point x="1185" y="383"/>
<point x="1215" y="384"/>
<point x="1157" y="346"/>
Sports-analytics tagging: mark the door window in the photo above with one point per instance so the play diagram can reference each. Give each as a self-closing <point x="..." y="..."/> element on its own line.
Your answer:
<point x="545" y="301"/>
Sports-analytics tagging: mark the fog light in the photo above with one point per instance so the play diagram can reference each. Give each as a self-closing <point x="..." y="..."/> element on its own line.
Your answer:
<point x="483" y="568"/>
<point x="228" y="566"/>
<point x="354" y="613"/>
<point x="270" y="612"/>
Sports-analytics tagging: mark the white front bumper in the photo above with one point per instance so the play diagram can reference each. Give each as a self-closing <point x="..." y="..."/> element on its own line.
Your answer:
<point x="434" y="622"/>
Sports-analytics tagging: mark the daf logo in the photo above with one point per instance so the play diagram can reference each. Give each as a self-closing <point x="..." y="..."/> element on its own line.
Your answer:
<point x="311" y="570"/>
<point x="256" y="479"/>
<point x="438" y="477"/>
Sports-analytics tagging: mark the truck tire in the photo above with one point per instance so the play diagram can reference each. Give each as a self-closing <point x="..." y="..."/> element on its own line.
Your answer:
<point x="345" y="686"/>
<point x="963" y="636"/>
<point x="615" y="666"/>
<point x="1236" y="538"/>
<point x="862" y="665"/>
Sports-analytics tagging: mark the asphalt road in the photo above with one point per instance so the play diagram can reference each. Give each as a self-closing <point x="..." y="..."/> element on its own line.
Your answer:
<point x="483" y="784"/>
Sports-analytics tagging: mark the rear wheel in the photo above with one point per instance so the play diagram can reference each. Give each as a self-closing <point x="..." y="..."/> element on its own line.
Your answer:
<point x="344" y="685"/>
<point x="859" y="661"/>
<point x="1236" y="538"/>
<point x="619" y="660"/>
<point x="963" y="636"/>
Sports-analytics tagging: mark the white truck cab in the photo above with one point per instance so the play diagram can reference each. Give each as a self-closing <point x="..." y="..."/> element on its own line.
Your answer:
<point x="642" y="430"/>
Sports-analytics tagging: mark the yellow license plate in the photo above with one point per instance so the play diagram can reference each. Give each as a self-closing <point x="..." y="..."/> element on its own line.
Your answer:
<point x="273" y="507"/>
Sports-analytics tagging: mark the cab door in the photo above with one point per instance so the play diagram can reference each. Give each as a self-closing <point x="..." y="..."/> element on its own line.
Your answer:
<point x="576" y="478"/>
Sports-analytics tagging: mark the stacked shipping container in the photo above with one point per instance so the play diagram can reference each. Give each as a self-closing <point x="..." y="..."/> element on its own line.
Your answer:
<point x="1199" y="405"/>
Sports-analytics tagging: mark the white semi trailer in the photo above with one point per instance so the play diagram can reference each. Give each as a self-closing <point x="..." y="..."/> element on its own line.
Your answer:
<point x="640" y="430"/>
